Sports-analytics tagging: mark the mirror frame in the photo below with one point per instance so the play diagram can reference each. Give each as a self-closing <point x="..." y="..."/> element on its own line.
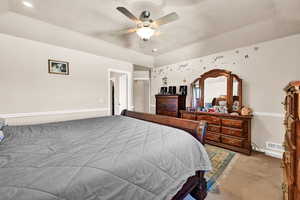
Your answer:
<point x="240" y="90"/>
<point x="192" y="92"/>
<point x="214" y="74"/>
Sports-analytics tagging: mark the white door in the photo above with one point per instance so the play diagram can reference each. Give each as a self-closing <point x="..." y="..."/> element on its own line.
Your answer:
<point x="122" y="92"/>
<point x="141" y="95"/>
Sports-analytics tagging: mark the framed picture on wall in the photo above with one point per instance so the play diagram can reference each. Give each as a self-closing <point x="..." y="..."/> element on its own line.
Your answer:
<point x="58" y="67"/>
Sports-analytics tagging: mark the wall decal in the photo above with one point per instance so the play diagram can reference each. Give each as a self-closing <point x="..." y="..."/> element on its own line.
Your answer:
<point x="165" y="81"/>
<point x="218" y="58"/>
<point x="182" y="67"/>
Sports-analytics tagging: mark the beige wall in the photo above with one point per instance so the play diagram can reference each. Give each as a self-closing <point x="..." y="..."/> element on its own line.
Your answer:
<point x="27" y="87"/>
<point x="265" y="72"/>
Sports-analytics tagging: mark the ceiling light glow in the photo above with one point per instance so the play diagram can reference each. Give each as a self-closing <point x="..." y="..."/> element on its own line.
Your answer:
<point x="27" y="4"/>
<point x="145" y="33"/>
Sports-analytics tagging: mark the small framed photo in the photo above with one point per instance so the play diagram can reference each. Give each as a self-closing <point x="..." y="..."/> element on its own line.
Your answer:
<point x="58" y="67"/>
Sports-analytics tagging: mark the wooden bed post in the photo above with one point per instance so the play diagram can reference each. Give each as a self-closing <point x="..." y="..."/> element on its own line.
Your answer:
<point x="200" y="191"/>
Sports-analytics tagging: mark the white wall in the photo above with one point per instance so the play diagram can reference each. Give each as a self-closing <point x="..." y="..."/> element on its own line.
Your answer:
<point x="27" y="87"/>
<point x="265" y="72"/>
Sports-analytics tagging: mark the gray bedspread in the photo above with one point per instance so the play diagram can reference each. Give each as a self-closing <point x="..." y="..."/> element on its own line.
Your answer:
<point x="101" y="158"/>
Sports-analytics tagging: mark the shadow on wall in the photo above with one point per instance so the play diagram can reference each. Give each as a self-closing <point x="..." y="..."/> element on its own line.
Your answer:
<point x="263" y="130"/>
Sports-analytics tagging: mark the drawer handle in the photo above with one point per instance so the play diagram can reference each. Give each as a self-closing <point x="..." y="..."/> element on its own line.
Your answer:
<point x="284" y="187"/>
<point x="282" y="165"/>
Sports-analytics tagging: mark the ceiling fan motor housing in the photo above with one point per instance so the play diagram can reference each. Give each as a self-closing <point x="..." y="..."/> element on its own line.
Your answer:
<point x="145" y="15"/>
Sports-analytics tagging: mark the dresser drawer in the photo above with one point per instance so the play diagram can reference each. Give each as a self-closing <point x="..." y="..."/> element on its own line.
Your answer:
<point x="167" y="106"/>
<point x="188" y="116"/>
<point x="232" y="141"/>
<point x="212" y="128"/>
<point x="232" y="131"/>
<point x="163" y="112"/>
<point x="232" y="123"/>
<point x="213" y="137"/>
<point x="209" y="119"/>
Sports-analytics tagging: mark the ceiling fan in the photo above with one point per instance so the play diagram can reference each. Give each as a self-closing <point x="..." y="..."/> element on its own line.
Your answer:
<point x="146" y="27"/>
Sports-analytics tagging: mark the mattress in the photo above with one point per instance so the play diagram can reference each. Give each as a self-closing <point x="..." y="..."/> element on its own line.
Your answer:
<point x="107" y="158"/>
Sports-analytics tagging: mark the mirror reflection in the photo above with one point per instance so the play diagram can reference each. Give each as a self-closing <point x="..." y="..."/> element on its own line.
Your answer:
<point x="196" y="94"/>
<point x="215" y="90"/>
<point x="236" y="98"/>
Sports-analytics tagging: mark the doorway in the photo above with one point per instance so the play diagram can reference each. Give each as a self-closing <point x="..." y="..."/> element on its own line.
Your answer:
<point x="141" y="95"/>
<point x="118" y="92"/>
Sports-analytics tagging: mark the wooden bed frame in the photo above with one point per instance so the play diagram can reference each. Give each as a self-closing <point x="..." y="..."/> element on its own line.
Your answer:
<point x="195" y="185"/>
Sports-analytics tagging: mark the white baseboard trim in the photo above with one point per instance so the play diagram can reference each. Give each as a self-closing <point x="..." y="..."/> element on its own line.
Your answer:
<point x="62" y="112"/>
<point x="258" y="149"/>
<point x="268" y="114"/>
<point x="275" y="154"/>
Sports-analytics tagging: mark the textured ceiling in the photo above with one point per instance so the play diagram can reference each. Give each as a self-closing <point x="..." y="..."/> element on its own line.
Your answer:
<point x="200" y="20"/>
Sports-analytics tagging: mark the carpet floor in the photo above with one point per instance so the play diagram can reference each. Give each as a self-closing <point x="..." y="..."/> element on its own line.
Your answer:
<point x="220" y="160"/>
<point x="255" y="177"/>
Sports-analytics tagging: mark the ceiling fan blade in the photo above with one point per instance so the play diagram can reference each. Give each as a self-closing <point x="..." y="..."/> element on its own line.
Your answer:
<point x="128" y="14"/>
<point x="157" y="33"/>
<point x="167" y="19"/>
<point x="123" y="32"/>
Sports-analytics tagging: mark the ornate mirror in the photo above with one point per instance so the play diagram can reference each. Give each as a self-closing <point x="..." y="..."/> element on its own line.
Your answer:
<point x="217" y="88"/>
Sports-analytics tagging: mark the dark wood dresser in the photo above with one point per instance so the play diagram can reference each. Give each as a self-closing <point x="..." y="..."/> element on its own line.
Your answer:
<point x="224" y="130"/>
<point x="170" y="105"/>
<point x="291" y="156"/>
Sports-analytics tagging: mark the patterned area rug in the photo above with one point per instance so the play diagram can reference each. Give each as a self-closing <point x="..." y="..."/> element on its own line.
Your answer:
<point x="220" y="160"/>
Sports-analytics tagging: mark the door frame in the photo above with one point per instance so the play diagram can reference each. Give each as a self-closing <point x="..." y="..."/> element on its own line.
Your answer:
<point x="112" y="111"/>
<point x="129" y="88"/>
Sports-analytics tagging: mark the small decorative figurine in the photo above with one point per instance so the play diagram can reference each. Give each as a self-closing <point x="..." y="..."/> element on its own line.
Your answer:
<point x="165" y="81"/>
<point x="246" y="111"/>
<point x="235" y="106"/>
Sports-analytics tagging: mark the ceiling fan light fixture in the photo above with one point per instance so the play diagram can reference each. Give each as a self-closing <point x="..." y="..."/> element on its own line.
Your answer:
<point x="145" y="33"/>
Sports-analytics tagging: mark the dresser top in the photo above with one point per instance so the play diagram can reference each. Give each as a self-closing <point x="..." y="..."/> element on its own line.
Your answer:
<point x="219" y="114"/>
<point x="169" y="95"/>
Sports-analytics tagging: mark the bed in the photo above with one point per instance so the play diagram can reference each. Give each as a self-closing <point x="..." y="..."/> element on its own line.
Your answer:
<point x="134" y="156"/>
